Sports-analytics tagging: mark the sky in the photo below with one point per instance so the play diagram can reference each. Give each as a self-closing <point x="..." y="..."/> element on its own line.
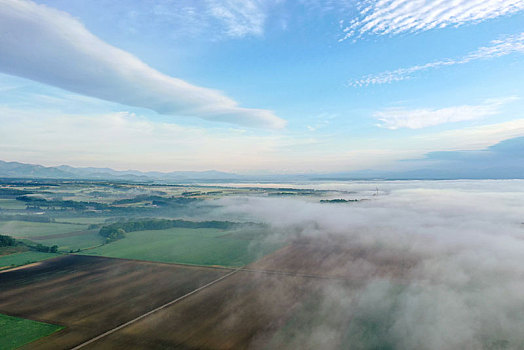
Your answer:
<point x="249" y="86"/>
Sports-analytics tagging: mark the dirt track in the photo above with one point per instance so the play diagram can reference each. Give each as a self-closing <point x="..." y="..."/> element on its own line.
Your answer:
<point x="143" y="305"/>
<point x="242" y="311"/>
<point x="90" y="295"/>
<point x="172" y="302"/>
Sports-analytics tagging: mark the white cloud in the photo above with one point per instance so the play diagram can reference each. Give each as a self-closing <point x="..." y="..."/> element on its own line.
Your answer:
<point x="124" y="140"/>
<point x="384" y="17"/>
<point x="497" y="48"/>
<point x="207" y="19"/>
<point x="395" y="118"/>
<point x="50" y="46"/>
<point x="321" y="120"/>
<point x="472" y="138"/>
<point x="127" y="141"/>
<point x="240" y="17"/>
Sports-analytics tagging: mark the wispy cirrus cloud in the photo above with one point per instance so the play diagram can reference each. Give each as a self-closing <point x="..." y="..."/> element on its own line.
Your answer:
<point x="239" y="17"/>
<point x="497" y="48"/>
<point x="52" y="47"/>
<point x="390" y="17"/>
<point x="396" y="118"/>
<point x="207" y="19"/>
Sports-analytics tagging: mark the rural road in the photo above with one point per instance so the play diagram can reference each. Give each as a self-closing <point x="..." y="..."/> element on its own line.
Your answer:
<point x="272" y="272"/>
<point x="92" y="340"/>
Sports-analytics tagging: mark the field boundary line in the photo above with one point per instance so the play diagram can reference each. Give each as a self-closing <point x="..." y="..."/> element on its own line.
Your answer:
<point x="113" y="330"/>
<point x="214" y="267"/>
<point x="295" y="274"/>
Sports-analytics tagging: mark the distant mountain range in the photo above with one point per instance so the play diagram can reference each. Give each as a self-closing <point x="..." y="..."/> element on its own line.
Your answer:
<point x="504" y="160"/>
<point x="22" y="170"/>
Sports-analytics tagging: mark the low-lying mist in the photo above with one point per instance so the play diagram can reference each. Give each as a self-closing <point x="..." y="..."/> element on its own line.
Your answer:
<point x="426" y="265"/>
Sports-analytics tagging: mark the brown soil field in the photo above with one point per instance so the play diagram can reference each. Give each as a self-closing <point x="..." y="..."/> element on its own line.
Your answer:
<point x="90" y="295"/>
<point x="337" y="258"/>
<point x="243" y="311"/>
<point x="273" y="303"/>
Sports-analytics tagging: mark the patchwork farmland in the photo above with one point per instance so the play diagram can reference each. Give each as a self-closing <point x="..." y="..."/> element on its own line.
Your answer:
<point x="163" y="276"/>
<point x="266" y="303"/>
<point x="89" y="295"/>
<point x="130" y="266"/>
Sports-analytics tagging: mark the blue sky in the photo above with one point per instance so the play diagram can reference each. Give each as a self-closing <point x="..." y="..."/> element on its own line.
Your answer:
<point x="257" y="86"/>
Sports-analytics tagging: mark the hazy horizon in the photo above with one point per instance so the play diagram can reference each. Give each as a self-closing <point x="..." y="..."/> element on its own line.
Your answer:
<point x="257" y="86"/>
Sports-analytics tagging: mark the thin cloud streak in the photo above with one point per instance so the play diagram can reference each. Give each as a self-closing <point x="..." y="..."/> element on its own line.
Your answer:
<point x="497" y="48"/>
<point x="239" y="17"/>
<point x="52" y="47"/>
<point x="396" y="118"/>
<point x="391" y="17"/>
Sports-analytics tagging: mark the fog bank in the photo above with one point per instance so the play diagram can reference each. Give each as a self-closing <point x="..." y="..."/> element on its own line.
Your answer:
<point x="440" y="264"/>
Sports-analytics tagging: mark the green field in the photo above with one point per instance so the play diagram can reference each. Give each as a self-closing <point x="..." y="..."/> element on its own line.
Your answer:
<point x="187" y="246"/>
<point x="90" y="239"/>
<point x="26" y="229"/>
<point x="23" y="258"/>
<point x="13" y="249"/>
<point x="82" y="220"/>
<point x="15" y="332"/>
<point x="7" y="203"/>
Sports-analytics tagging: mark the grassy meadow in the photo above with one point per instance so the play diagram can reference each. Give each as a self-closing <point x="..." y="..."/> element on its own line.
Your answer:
<point x="15" y="332"/>
<point x="27" y="229"/>
<point x="23" y="258"/>
<point x="81" y="220"/>
<point x="187" y="246"/>
<point x="11" y="203"/>
<point x="87" y="239"/>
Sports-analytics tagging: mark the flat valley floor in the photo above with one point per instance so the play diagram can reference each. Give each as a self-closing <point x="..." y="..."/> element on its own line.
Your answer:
<point x="272" y="303"/>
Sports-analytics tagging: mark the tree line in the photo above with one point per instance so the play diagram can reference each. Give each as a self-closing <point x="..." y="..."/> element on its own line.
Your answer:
<point x="118" y="230"/>
<point x="78" y="205"/>
<point x="8" y="241"/>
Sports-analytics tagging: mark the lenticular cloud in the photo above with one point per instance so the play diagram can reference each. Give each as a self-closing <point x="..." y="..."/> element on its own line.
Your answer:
<point x="52" y="47"/>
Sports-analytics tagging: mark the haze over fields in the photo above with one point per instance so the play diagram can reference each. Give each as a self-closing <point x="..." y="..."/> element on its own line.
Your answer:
<point x="332" y="265"/>
<point x="262" y="174"/>
<point x="442" y="264"/>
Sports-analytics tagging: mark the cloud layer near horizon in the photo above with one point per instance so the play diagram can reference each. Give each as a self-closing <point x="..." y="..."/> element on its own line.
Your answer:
<point x="52" y="47"/>
<point x="396" y="118"/>
<point x="127" y="141"/>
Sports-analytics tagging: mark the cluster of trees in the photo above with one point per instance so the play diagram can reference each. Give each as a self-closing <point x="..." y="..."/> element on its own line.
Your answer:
<point x="293" y="192"/>
<point x="7" y="241"/>
<point x="112" y="233"/>
<point x="118" y="230"/>
<point x="174" y="201"/>
<point x="137" y="199"/>
<point x="157" y="200"/>
<point x="338" y="200"/>
<point x="43" y="248"/>
<point x="77" y="205"/>
<point x="12" y="192"/>
<point x="32" y="218"/>
<point x="191" y="193"/>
